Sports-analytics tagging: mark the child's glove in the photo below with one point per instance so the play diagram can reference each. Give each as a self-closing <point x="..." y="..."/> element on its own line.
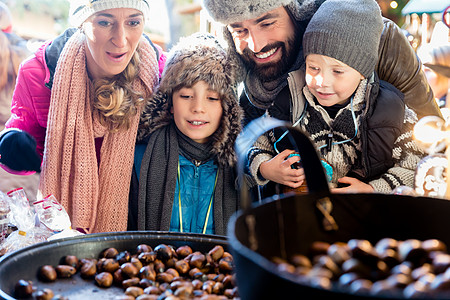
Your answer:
<point x="18" y="151"/>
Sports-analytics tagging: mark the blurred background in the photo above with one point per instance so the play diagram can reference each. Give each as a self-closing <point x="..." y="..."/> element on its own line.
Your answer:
<point x="38" y="20"/>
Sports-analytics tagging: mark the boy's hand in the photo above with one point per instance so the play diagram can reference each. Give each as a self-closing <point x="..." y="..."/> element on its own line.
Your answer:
<point x="279" y="170"/>
<point x="353" y="186"/>
<point x="18" y="151"/>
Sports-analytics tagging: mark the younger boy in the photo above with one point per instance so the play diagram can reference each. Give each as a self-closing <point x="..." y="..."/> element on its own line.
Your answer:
<point x="359" y="124"/>
<point x="187" y="180"/>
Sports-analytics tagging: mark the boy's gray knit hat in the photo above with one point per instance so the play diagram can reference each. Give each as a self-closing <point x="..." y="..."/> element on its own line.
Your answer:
<point x="230" y="11"/>
<point x="346" y="30"/>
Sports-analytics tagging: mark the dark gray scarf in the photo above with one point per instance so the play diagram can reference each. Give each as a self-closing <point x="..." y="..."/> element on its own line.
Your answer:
<point x="193" y="150"/>
<point x="158" y="178"/>
<point x="262" y="94"/>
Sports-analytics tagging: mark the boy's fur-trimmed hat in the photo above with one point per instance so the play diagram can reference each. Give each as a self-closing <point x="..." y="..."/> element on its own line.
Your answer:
<point x="80" y="10"/>
<point x="198" y="57"/>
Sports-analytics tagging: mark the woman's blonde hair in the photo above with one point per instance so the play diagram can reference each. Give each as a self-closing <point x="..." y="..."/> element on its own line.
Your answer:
<point x="116" y="101"/>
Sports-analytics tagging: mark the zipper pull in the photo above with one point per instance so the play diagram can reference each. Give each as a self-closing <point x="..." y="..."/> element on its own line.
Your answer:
<point x="197" y="164"/>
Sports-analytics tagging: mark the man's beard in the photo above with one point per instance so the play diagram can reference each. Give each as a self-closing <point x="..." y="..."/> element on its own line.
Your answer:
<point x="270" y="71"/>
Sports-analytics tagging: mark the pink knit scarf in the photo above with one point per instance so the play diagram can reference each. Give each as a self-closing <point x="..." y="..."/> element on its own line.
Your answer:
<point x="95" y="196"/>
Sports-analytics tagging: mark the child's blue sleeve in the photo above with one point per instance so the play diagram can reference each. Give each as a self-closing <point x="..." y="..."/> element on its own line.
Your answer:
<point x="138" y="155"/>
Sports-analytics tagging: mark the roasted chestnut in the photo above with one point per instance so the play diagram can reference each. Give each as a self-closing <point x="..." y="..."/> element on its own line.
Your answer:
<point x="363" y="251"/>
<point x="123" y="257"/>
<point x="412" y="250"/>
<point x="64" y="271"/>
<point x="152" y="290"/>
<point x="130" y="270"/>
<point x="174" y="272"/>
<point x="163" y="252"/>
<point x="143" y="248"/>
<point x="300" y="260"/>
<point x="23" y="289"/>
<point x="434" y="245"/>
<point x="88" y="269"/>
<point x="130" y="282"/>
<point x="47" y="273"/>
<point x="182" y="266"/>
<point x="45" y="294"/>
<point x="109" y="265"/>
<point x="104" y="279"/>
<point x="184" y="251"/>
<point x="147" y="272"/>
<point x="385" y="244"/>
<point x="134" y="291"/>
<point x="338" y="252"/>
<point x="216" y="252"/>
<point x="164" y="277"/>
<point x="71" y="260"/>
<point x="147" y="257"/>
<point x="197" y="260"/>
<point x="226" y="264"/>
<point x="441" y="263"/>
<point x="361" y="285"/>
<point x="319" y="247"/>
<point x="109" y="253"/>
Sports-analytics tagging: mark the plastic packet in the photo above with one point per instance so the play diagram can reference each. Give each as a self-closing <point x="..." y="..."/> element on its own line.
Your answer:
<point x="52" y="214"/>
<point x="54" y="217"/>
<point x="65" y="233"/>
<point x="24" y="218"/>
<point x="22" y="215"/>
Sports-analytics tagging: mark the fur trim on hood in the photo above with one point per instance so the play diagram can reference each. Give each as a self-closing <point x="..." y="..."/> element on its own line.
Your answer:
<point x="198" y="57"/>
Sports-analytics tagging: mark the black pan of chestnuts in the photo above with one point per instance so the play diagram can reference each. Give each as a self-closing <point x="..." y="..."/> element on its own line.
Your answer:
<point x="36" y="267"/>
<point x="321" y="245"/>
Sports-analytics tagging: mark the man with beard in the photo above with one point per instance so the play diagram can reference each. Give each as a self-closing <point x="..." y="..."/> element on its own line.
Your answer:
<point x="266" y="37"/>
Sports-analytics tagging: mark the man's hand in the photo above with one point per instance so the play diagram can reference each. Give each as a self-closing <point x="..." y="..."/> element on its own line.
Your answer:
<point x="18" y="151"/>
<point x="354" y="186"/>
<point x="279" y="170"/>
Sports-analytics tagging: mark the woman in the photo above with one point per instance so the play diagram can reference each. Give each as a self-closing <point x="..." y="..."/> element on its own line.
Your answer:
<point x="76" y="106"/>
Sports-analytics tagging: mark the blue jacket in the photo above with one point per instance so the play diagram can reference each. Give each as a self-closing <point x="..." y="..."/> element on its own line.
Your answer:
<point x="196" y="191"/>
<point x="197" y="188"/>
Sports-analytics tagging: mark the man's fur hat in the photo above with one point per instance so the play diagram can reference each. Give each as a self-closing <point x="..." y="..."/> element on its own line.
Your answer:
<point x="231" y="11"/>
<point x="195" y="58"/>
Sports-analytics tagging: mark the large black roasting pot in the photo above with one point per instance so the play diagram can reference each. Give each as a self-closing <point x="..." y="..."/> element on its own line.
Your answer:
<point x="286" y="225"/>
<point x="24" y="263"/>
